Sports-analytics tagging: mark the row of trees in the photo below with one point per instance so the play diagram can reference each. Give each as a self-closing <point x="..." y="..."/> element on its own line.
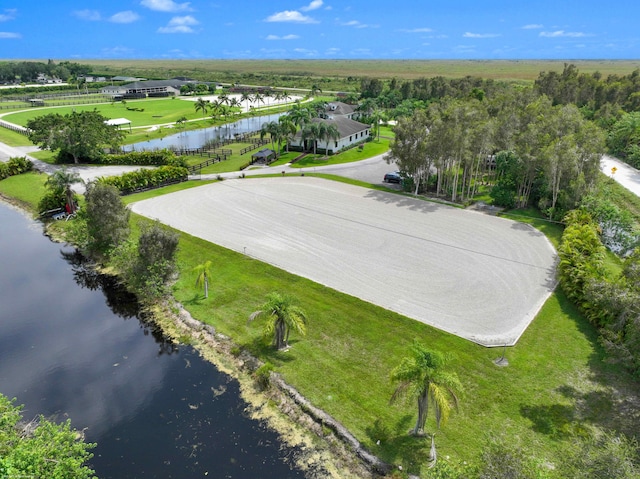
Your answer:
<point x="27" y="72"/>
<point x="551" y="152"/>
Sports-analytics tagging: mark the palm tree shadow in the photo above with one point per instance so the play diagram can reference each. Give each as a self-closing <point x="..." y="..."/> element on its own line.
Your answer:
<point x="268" y="352"/>
<point x="396" y="445"/>
<point x="195" y="300"/>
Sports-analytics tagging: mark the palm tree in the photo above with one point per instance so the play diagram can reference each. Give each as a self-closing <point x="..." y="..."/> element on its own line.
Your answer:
<point x="287" y="129"/>
<point x="60" y="182"/>
<point x="258" y="97"/>
<point x="315" y="89"/>
<point x="223" y="98"/>
<point x="299" y="115"/>
<point x="234" y="103"/>
<point x="202" y="105"/>
<point x="327" y="132"/>
<point x="246" y="97"/>
<point x="422" y="376"/>
<point x="272" y="129"/>
<point x="311" y="131"/>
<point x="203" y="271"/>
<point x="282" y="317"/>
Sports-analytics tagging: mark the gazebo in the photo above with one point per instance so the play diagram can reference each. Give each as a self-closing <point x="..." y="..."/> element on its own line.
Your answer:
<point x="119" y="122"/>
<point x="263" y="156"/>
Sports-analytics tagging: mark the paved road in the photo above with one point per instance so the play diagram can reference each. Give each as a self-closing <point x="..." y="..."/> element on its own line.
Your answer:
<point x="626" y="175"/>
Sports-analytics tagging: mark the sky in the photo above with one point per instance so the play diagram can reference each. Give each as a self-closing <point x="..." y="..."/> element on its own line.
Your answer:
<point x="319" y="29"/>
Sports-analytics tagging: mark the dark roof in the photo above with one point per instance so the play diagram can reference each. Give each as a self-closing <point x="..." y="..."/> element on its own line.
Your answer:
<point x="265" y="153"/>
<point x="339" y="108"/>
<point x="143" y="85"/>
<point x="346" y="126"/>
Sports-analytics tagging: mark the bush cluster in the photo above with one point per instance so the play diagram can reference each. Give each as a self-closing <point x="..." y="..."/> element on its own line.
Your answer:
<point x="146" y="178"/>
<point x="611" y="303"/>
<point x="15" y="166"/>
<point x="154" y="158"/>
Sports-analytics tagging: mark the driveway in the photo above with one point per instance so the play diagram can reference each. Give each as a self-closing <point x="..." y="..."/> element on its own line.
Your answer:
<point x="480" y="277"/>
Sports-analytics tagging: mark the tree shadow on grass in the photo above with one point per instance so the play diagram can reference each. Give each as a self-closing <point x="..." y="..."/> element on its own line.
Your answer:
<point x="264" y="350"/>
<point x="396" y="445"/>
<point x="196" y="300"/>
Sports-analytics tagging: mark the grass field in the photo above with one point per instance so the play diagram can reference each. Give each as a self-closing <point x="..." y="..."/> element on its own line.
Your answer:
<point x="556" y="386"/>
<point x="402" y="69"/>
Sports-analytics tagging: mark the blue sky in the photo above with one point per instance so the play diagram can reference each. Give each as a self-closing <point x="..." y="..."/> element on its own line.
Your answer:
<point x="319" y="29"/>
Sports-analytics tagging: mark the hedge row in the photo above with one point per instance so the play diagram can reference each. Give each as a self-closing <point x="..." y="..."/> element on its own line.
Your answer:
<point x="154" y="158"/>
<point x="15" y="166"/>
<point x="146" y="178"/>
<point x="611" y="304"/>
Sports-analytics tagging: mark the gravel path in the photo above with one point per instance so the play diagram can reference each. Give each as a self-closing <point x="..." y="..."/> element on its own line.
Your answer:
<point x="478" y="276"/>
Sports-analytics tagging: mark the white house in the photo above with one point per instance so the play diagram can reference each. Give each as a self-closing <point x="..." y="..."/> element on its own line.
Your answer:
<point x="341" y="116"/>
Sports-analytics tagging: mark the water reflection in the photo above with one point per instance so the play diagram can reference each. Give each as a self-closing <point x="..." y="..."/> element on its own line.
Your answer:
<point x="155" y="410"/>
<point x="118" y="299"/>
<point x="197" y="138"/>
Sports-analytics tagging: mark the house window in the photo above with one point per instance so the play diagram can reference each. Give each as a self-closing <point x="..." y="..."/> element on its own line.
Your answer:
<point x="336" y="146"/>
<point x="351" y="138"/>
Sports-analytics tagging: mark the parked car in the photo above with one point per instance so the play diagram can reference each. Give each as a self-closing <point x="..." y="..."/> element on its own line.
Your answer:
<point x="393" y="177"/>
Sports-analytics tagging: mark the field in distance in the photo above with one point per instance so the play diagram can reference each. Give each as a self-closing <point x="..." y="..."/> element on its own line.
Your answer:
<point x="522" y="70"/>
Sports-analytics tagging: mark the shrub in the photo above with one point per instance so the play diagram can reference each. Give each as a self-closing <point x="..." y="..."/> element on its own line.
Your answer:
<point x="146" y="178"/>
<point x="262" y="375"/>
<point x="15" y="166"/>
<point x="154" y="158"/>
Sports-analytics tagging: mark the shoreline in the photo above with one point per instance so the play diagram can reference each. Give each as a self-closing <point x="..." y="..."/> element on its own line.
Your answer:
<point x="324" y="449"/>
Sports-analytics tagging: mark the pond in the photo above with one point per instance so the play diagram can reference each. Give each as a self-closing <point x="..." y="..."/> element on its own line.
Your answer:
<point x="198" y="138"/>
<point x="72" y="345"/>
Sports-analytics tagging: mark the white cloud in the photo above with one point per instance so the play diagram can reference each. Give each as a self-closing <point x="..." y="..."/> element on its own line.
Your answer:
<point x="117" y="51"/>
<point x="306" y="51"/>
<point x="290" y="16"/>
<point x="166" y="6"/>
<point x="284" y="37"/>
<point x="357" y="24"/>
<point x="180" y="25"/>
<point x="562" y="33"/>
<point x="10" y="14"/>
<point x="89" y="15"/>
<point x="415" y="30"/>
<point x="10" y="35"/>
<point x="124" y="17"/>
<point x="480" y="35"/>
<point x="533" y="26"/>
<point x="315" y="4"/>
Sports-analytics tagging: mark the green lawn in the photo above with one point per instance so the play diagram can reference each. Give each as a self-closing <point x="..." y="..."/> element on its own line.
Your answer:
<point x="355" y="345"/>
<point x="27" y="188"/>
<point x="556" y="384"/>
<point x="369" y="150"/>
<point x="12" y="138"/>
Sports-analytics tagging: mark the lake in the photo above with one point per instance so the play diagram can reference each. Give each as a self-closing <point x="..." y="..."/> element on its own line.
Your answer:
<point x="72" y="345"/>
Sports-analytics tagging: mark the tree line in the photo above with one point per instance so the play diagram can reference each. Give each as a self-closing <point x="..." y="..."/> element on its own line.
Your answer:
<point x="27" y="72"/>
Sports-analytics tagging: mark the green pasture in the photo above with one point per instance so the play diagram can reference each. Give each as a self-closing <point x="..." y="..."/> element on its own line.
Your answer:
<point x="147" y="112"/>
<point x="307" y="72"/>
<point x="12" y="138"/>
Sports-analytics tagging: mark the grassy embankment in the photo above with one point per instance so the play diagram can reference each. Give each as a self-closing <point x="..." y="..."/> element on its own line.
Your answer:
<point x="556" y="383"/>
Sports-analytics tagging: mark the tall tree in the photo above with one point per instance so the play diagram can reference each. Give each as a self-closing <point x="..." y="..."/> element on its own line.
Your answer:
<point x="423" y="377"/>
<point x="281" y="317"/>
<point x="409" y="148"/>
<point x="107" y="217"/>
<point x="79" y="135"/>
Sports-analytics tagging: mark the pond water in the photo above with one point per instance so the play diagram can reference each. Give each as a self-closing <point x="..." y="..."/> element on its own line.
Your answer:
<point x="198" y="138"/>
<point x="72" y="345"/>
